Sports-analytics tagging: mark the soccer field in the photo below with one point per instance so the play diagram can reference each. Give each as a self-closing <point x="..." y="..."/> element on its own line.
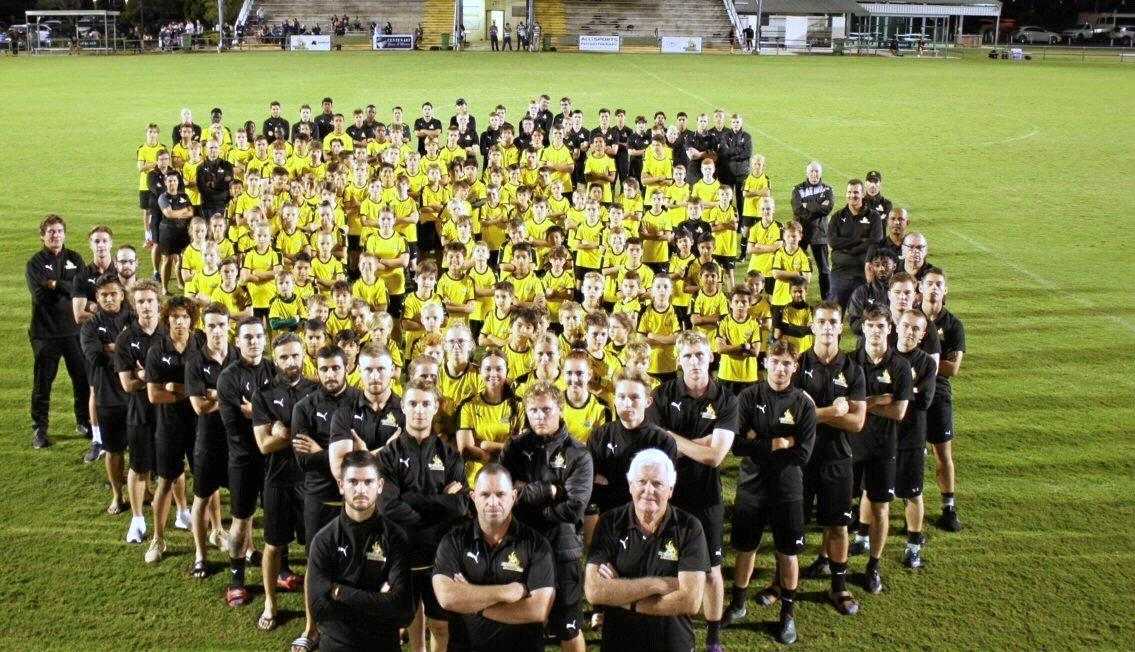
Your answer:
<point x="1020" y="175"/>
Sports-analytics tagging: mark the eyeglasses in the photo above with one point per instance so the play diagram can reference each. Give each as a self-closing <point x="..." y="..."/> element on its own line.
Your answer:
<point x="126" y="262"/>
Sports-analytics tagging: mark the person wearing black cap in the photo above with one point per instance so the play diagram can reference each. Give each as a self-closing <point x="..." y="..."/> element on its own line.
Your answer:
<point x="463" y="109"/>
<point x="874" y="198"/>
<point x="217" y="127"/>
<point x="50" y="278"/>
<point x="324" y="121"/>
<point x="812" y="200"/>
<point x="851" y="231"/>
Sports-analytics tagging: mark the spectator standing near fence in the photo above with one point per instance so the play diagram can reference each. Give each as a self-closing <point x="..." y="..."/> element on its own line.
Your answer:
<point x="494" y="39"/>
<point x="507" y="32"/>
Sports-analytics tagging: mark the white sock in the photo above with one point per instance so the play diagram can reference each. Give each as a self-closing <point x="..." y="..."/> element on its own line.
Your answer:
<point x="138" y="522"/>
<point x="96" y="435"/>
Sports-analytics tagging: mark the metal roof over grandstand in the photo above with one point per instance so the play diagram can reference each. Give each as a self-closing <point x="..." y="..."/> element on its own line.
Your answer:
<point x="792" y="7"/>
<point x="931" y="8"/>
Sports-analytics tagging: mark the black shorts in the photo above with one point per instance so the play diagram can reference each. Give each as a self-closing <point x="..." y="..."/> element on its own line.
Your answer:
<point x="316" y="514"/>
<point x="260" y="313"/>
<point x="726" y="262"/>
<point x="832" y="483"/>
<point x="140" y="441"/>
<point x="173" y="236"/>
<point x="910" y="468"/>
<point x="283" y="514"/>
<point x="112" y="425"/>
<point x="173" y="446"/>
<point x="422" y="588"/>
<point x="875" y="476"/>
<point x="144" y="197"/>
<point x="752" y="514"/>
<point x="713" y="525"/>
<point x="428" y="240"/>
<point x="246" y="479"/>
<point x="566" y="618"/>
<point x="394" y="305"/>
<point x="353" y="243"/>
<point x="210" y="465"/>
<point x="940" y="420"/>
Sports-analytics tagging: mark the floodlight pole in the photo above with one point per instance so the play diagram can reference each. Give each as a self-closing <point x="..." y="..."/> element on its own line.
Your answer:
<point x="757" y="29"/>
<point x="221" y="25"/>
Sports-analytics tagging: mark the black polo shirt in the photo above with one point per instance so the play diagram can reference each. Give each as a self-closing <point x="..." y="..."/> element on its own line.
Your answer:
<point x="677" y="545"/>
<point x="636" y="140"/>
<point x="274" y="402"/>
<point x="311" y="125"/>
<point x="51" y="307"/>
<point x="312" y="416"/>
<point x="765" y="414"/>
<point x="239" y="382"/>
<point x="360" y="557"/>
<point x="130" y="349"/>
<point x="952" y="338"/>
<point x="879" y="204"/>
<point x="912" y="428"/>
<point x="373" y="427"/>
<point x="699" y="485"/>
<point x="359" y="134"/>
<point x="324" y="124"/>
<point x="850" y="235"/>
<point x="433" y="124"/>
<point x="414" y="477"/>
<point x="98" y="331"/>
<point x="522" y="556"/>
<point x="165" y="364"/>
<point x="201" y="375"/>
<point x="703" y="142"/>
<point x="612" y="447"/>
<point x="841" y="377"/>
<point x="930" y="343"/>
<point x="174" y="202"/>
<point x="84" y="284"/>
<point x="890" y="376"/>
<point x="268" y="130"/>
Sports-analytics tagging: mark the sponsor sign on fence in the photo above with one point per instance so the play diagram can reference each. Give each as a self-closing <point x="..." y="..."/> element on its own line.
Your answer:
<point x="681" y="44"/>
<point x="590" y="43"/>
<point x="317" y="43"/>
<point x="393" y="41"/>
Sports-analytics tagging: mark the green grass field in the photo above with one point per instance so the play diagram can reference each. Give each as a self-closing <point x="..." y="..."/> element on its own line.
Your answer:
<point x="1019" y="174"/>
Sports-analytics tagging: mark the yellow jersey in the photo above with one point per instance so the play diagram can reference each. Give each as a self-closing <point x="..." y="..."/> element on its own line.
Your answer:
<point x="796" y="261"/>
<point x="390" y="247"/>
<point x="763" y="235"/>
<point x="662" y="357"/>
<point x="739" y="367"/>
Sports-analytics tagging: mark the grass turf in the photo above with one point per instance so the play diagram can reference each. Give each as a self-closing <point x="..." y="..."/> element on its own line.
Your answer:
<point x="1020" y="175"/>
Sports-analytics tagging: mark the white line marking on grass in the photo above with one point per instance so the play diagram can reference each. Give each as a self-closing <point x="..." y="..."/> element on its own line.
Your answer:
<point x="977" y="244"/>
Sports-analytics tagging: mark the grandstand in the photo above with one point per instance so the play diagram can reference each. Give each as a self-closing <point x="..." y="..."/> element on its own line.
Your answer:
<point x="436" y="16"/>
<point x="638" y="22"/>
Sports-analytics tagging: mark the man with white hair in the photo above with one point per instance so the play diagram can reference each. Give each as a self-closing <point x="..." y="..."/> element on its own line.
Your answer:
<point x="648" y="563"/>
<point x="812" y="200"/>
<point x="187" y="121"/>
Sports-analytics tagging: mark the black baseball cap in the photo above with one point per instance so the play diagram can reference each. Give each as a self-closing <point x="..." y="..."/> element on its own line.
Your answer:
<point x="874" y="176"/>
<point x="216" y="110"/>
<point x="328" y="100"/>
<point x="460" y="101"/>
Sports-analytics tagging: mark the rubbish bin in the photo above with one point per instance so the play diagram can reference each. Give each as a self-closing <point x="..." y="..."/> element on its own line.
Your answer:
<point x="445" y="41"/>
<point x="838" y="45"/>
<point x="547" y="43"/>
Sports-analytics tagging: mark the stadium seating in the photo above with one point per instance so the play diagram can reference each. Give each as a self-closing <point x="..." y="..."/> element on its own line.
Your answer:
<point x="436" y="16"/>
<point x="639" y="22"/>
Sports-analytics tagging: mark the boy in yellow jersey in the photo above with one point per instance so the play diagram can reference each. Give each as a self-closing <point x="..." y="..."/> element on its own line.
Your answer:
<point x="557" y="158"/>
<point x="425" y="290"/>
<point x="632" y="205"/>
<point x="637" y="357"/>
<point x="193" y="257"/>
<point x="738" y="343"/>
<point x="231" y="294"/>
<point x="788" y="262"/>
<point x="360" y="316"/>
<point x="722" y="218"/>
<point x="600" y="168"/>
<point x="326" y="267"/>
<point x="527" y="287"/>
<point x="369" y="208"/>
<point x="461" y="232"/>
<point x="189" y="175"/>
<point x="559" y="283"/>
<point x="706" y="187"/>
<point x="759" y="308"/>
<point x="498" y="318"/>
<point x="793" y="323"/>
<point x="614" y="220"/>
<point x="391" y="259"/>
<point x="659" y="325"/>
<point x="630" y="295"/>
<point x="657" y="168"/>
<point x="348" y="340"/>
<point x="435" y="196"/>
<point x="704" y="257"/>
<point x="756" y="187"/>
<point x="369" y="287"/>
<point x="147" y="157"/>
<point x="338" y="134"/>
<point x="583" y="410"/>
<point x="218" y="234"/>
<point x="604" y="365"/>
<point x="656" y="232"/>
<point x="406" y="214"/>
<point x="455" y="288"/>
<point x="305" y="286"/>
<point x="575" y="211"/>
<point x="240" y="153"/>
<point x="261" y="158"/>
<point x="494" y="217"/>
<point x="592" y="292"/>
<point x="457" y="378"/>
<point x="314" y="338"/>
<point x="200" y="287"/>
<point x="521" y="336"/>
<point x="287" y="310"/>
<point x="319" y="307"/>
<point x="546" y="364"/>
<point x="431" y="334"/>
<point x="452" y="151"/>
<point x="620" y="325"/>
<point x="587" y="241"/>
<point x="679" y="270"/>
<point x="516" y="235"/>
<point x="487" y="420"/>
<point x="380" y="328"/>
<point x="258" y="271"/>
<point x="614" y="259"/>
<point x="678" y="196"/>
<point x="290" y="240"/>
<point x="570" y="327"/>
<point x="764" y="242"/>
<point x="457" y="206"/>
<point x="634" y="263"/>
<point x="482" y="278"/>
<point x="710" y="304"/>
<point x="530" y="168"/>
<point x="339" y="318"/>
<point x="536" y="226"/>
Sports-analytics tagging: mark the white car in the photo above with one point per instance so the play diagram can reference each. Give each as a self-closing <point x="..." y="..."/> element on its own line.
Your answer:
<point x="1123" y="35"/>
<point x="1081" y="32"/>
<point x="1034" y="35"/>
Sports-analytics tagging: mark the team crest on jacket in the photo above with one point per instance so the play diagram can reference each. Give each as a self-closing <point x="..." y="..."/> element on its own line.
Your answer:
<point x="669" y="551"/>
<point x="839" y="380"/>
<point x="436" y="464"/>
<point x="885" y="377"/>
<point x="558" y="461"/>
<point x="375" y="553"/>
<point x="709" y="412"/>
<point x="389" y="420"/>
<point x="787" y="419"/>
<point x="512" y="563"/>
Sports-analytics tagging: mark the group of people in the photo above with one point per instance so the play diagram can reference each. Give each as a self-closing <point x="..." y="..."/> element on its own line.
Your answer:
<point x="527" y="36"/>
<point x="484" y="372"/>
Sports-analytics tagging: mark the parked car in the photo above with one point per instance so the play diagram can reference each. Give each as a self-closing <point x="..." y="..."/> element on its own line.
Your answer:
<point x="1124" y="35"/>
<point x="1081" y="32"/>
<point x="1034" y="35"/>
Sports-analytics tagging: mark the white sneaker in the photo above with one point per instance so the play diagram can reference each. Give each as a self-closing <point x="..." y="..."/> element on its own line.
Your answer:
<point x="155" y="551"/>
<point x="137" y="530"/>
<point x="184" y="517"/>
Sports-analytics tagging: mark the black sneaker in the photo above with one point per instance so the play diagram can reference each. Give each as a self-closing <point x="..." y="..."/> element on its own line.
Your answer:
<point x="818" y="569"/>
<point x="734" y="614"/>
<point x="83" y="430"/>
<point x="912" y="559"/>
<point x="948" y="521"/>
<point x="859" y="547"/>
<point x="39" y="438"/>
<point x="786" y="631"/>
<point x="872" y="582"/>
<point x="93" y="453"/>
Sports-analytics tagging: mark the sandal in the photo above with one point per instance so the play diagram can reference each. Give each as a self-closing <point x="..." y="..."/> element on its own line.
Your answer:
<point x="305" y="644"/>
<point x="844" y="603"/>
<point x="768" y="596"/>
<point x="289" y="581"/>
<point x="266" y="623"/>
<point x="200" y="569"/>
<point x="236" y="596"/>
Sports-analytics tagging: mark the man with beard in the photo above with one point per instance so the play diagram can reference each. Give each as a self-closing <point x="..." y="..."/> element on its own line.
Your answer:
<point x="375" y="414"/>
<point x="701" y="417"/>
<point x="914" y="250"/>
<point x="311" y="435"/>
<point x="423" y="490"/>
<point x="852" y="229"/>
<point x="897" y="222"/>
<point x="358" y="575"/>
<point x="238" y="383"/>
<point x="282" y="498"/>
<point x="210" y="449"/>
<point x="812" y="200"/>
<point x="97" y="337"/>
<point x="877" y="271"/>
<point x="553" y="475"/>
<point x="214" y="176"/>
